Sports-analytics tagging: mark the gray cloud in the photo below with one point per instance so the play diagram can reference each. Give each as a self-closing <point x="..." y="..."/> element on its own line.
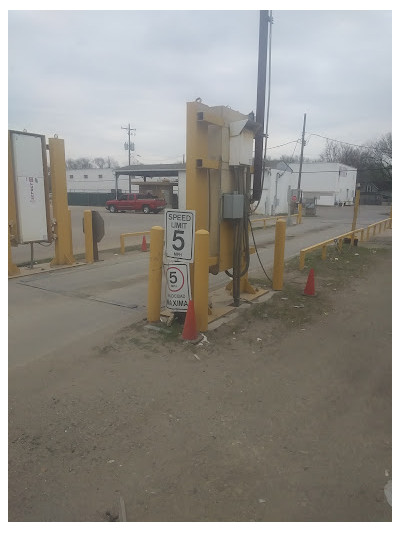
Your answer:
<point x="84" y="74"/>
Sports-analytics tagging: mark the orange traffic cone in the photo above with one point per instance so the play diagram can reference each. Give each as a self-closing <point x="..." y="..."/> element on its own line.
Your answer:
<point x="310" y="289"/>
<point x="144" y="244"/>
<point x="189" y="332"/>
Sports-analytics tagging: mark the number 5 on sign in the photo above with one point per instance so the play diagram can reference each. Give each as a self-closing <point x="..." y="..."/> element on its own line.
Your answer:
<point x="179" y="234"/>
<point x="177" y="286"/>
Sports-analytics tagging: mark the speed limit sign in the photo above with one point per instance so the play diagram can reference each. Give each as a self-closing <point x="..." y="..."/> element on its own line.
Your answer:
<point x="177" y="286"/>
<point x="179" y="234"/>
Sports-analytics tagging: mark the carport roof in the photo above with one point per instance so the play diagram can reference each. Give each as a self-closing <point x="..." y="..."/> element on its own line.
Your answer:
<point x="151" y="171"/>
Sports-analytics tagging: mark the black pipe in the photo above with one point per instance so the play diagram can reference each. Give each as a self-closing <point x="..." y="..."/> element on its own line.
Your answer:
<point x="260" y="110"/>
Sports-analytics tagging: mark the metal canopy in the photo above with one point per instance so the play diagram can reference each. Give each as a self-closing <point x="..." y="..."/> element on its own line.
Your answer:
<point x="151" y="171"/>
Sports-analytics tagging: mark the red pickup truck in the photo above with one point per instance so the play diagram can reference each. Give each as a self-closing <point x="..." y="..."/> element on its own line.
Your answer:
<point x="136" y="202"/>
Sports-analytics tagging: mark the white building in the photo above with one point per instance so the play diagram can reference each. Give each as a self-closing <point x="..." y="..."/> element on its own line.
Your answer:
<point x="326" y="183"/>
<point x="93" y="180"/>
<point x="329" y="183"/>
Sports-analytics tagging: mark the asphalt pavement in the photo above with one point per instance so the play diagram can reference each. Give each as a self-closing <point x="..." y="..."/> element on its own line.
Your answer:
<point x="52" y="309"/>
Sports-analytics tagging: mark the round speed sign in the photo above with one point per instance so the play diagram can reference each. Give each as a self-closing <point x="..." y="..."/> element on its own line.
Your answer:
<point x="175" y="278"/>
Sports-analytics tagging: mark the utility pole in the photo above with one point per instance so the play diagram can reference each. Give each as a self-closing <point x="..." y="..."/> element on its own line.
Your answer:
<point x="260" y="108"/>
<point x="129" y="129"/>
<point x="301" y="158"/>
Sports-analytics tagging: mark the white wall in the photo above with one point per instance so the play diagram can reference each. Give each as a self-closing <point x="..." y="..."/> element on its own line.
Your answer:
<point x="93" y="183"/>
<point x="274" y="196"/>
<point x="330" y="182"/>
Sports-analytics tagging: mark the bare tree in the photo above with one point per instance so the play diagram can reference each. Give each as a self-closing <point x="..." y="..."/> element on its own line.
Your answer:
<point x="112" y="163"/>
<point x="85" y="162"/>
<point x="372" y="161"/>
<point x="100" y="162"/>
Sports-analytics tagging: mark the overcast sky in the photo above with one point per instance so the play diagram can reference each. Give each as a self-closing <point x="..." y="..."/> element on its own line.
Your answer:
<point x="84" y="74"/>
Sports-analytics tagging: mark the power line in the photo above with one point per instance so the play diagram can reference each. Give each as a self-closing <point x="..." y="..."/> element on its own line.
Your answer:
<point x="344" y="170"/>
<point x="279" y="145"/>
<point x="344" y="142"/>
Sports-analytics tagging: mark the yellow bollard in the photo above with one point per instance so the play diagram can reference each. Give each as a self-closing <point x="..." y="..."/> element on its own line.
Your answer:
<point x="63" y="243"/>
<point x="323" y="254"/>
<point x="355" y="214"/>
<point x="302" y="259"/>
<point x="362" y="235"/>
<point x="13" y="270"/>
<point x="88" y="228"/>
<point x="299" y="213"/>
<point x="122" y="243"/>
<point x="340" y="244"/>
<point x="155" y="274"/>
<point x="279" y="255"/>
<point x="200" y="289"/>
<point x="368" y="230"/>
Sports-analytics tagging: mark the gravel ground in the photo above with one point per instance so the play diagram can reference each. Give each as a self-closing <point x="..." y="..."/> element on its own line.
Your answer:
<point x="281" y="415"/>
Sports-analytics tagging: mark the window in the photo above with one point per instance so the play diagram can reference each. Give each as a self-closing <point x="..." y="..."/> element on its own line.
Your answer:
<point x="369" y="188"/>
<point x="71" y="176"/>
<point x="100" y="176"/>
<point x="85" y="176"/>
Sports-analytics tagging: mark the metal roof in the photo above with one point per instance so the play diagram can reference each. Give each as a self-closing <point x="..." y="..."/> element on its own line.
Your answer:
<point x="150" y="171"/>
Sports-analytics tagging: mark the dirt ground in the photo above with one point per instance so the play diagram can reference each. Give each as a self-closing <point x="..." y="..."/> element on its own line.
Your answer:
<point x="281" y="415"/>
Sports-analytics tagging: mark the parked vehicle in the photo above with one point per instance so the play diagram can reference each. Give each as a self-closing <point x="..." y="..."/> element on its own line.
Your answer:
<point x="146" y="203"/>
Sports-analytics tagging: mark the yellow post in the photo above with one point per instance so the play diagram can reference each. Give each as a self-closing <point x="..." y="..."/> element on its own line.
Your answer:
<point x="374" y="233"/>
<point x="13" y="270"/>
<point x="155" y="274"/>
<point x="362" y="235"/>
<point x="87" y="224"/>
<point x="355" y="214"/>
<point x="122" y="243"/>
<point x="340" y="244"/>
<point x="63" y="243"/>
<point x="368" y="229"/>
<point x="12" y="204"/>
<point x="197" y="194"/>
<point x="302" y="259"/>
<point x="70" y="234"/>
<point x="279" y="255"/>
<point x="299" y="213"/>
<point x="323" y="254"/>
<point x="390" y="223"/>
<point x="200" y="290"/>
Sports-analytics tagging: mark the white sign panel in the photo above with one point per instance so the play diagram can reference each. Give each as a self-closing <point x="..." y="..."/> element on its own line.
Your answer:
<point x="177" y="286"/>
<point x="29" y="187"/>
<point x="179" y="234"/>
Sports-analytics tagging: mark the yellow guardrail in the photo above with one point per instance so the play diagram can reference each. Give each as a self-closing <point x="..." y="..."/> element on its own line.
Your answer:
<point x="364" y="235"/>
<point x="266" y="219"/>
<point x="123" y="236"/>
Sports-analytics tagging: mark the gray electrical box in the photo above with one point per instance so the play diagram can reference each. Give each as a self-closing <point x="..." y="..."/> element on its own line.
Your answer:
<point x="232" y="206"/>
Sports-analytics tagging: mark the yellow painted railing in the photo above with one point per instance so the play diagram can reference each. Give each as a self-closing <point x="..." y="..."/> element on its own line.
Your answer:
<point x="364" y="233"/>
<point x="274" y="219"/>
<point x="134" y="234"/>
